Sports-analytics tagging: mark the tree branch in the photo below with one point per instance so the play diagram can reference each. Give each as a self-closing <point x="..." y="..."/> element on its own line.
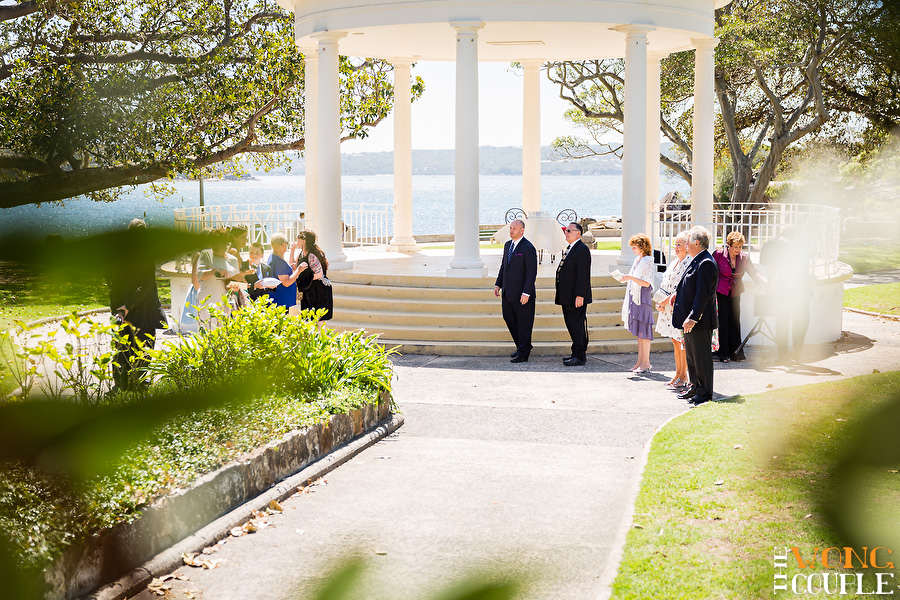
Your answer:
<point x="23" y="9"/>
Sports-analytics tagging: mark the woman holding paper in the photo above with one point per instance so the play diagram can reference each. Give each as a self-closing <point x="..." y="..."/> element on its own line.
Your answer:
<point x="664" y="326"/>
<point x="637" y="310"/>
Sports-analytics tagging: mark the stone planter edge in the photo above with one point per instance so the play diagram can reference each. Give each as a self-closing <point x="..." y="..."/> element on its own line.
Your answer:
<point x="123" y="549"/>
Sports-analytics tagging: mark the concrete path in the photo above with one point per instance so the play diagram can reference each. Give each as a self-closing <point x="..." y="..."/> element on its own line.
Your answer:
<point x="511" y="469"/>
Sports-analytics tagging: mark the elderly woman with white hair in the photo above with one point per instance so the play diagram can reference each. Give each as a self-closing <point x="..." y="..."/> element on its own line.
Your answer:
<point x="670" y="279"/>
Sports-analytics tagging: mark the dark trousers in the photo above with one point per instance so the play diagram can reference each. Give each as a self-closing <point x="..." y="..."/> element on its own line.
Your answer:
<point x="729" y="324"/>
<point x="520" y="321"/>
<point x="698" y="351"/>
<point x="576" y="323"/>
<point x="130" y="360"/>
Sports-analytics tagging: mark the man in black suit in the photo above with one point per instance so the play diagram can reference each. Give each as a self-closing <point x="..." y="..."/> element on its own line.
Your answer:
<point x="695" y="312"/>
<point x="134" y="303"/>
<point x="518" y="270"/>
<point x="573" y="292"/>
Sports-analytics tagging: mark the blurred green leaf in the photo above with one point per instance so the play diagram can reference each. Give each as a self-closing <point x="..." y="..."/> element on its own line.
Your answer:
<point x="82" y="441"/>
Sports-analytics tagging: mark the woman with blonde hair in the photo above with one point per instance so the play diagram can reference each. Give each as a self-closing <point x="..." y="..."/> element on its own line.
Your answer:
<point x="671" y="277"/>
<point x="637" y="309"/>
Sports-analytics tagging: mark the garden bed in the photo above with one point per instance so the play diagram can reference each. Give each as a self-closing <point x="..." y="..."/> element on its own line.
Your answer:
<point x="241" y="407"/>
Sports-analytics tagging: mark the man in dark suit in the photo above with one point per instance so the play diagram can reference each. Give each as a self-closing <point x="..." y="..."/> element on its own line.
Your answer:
<point x="695" y="312"/>
<point x="518" y="270"/>
<point x="134" y="303"/>
<point x="573" y="292"/>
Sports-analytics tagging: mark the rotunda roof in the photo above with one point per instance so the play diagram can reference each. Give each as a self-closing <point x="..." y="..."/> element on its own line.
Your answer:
<point x="512" y="29"/>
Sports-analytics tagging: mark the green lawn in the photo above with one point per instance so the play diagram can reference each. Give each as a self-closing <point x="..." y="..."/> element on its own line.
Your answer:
<point x="882" y="298"/>
<point x="871" y="256"/>
<point x="28" y="296"/>
<point x="728" y="482"/>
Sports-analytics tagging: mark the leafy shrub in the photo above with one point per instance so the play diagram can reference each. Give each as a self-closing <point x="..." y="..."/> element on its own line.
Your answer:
<point x="76" y="359"/>
<point x="307" y="373"/>
<point x="261" y="343"/>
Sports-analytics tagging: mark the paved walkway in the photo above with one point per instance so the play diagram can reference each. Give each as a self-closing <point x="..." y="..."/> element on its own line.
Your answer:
<point x="528" y="468"/>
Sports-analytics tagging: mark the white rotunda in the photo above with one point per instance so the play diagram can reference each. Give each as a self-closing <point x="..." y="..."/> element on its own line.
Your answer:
<point x="530" y="32"/>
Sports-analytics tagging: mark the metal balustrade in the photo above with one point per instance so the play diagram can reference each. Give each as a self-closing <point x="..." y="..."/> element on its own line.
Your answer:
<point x="368" y="225"/>
<point x="364" y="224"/>
<point x="816" y="226"/>
<point x="261" y="220"/>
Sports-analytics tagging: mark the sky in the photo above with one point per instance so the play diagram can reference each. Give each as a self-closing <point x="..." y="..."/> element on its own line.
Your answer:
<point x="500" y="110"/>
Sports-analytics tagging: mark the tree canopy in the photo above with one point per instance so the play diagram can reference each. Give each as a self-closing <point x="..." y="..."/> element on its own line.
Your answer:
<point x="98" y="94"/>
<point x="783" y="71"/>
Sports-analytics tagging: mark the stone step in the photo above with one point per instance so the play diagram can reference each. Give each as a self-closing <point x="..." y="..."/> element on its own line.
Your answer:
<point x="425" y="281"/>
<point x="392" y="292"/>
<point x="552" y="317"/>
<point x="504" y="349"/>
<point x="487" y="304"/>
<point x="476" y="334"/>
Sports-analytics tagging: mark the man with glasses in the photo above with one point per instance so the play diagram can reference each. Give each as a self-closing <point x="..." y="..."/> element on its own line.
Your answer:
<point x="518" y="270"/>
<point x="573" y="292"/>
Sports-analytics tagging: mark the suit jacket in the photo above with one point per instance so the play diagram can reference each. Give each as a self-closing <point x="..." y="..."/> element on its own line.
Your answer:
<point x="517" y="273"/>
<point x="134" y="287"/>
<point x="573" y="275"/>
<point x="695" y="296"/>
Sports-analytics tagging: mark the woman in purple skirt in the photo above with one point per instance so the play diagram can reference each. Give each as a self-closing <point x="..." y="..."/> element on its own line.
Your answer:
<point x="637" y="309"/>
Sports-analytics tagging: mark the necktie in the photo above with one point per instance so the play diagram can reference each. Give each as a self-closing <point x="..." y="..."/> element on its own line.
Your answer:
<point x="512" y="247"/>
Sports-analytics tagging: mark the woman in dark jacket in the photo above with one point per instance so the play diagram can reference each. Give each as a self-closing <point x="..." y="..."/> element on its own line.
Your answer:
<point x="733" y="263"/>
<point x="316" y="288"/>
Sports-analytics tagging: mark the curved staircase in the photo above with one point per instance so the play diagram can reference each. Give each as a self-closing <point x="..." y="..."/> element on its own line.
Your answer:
<point x="461" y="317"/>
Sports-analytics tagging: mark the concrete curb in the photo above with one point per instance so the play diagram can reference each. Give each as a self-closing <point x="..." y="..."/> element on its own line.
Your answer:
<point x="618" y="549"/>
<point x="172" y="558"/>
<point x="873" y="314"/>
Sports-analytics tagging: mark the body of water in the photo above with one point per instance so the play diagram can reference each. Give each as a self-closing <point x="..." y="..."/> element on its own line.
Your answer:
<point x="433" y="201"/>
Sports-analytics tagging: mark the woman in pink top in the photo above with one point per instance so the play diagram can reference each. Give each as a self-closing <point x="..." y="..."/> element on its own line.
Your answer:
<point x="733" y="263"/>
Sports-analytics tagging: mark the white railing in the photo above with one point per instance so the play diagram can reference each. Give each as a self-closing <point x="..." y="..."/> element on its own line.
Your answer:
<point x="817" y="226"/>
<point x="364" y="224"/>
<point x="368" y="224"/>
<point x="261" y="220"/>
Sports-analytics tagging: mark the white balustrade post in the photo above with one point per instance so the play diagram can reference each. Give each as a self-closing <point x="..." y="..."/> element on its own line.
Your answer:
<point x="466" y="258"/>
<point x="653" y="117"/>
<point x="311" y="134"/>
<point x="329" y="222"/>
<point x="704" y="120"/>
<point x="531" y="137"/>
<point x="403" y="240"/>
<point x="634" y="159"/>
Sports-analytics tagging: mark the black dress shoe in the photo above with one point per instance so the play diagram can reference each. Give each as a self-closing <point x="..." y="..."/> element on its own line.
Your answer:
<point x="573" y="362"/>
<point x="696" y="400"/>
<point x="519" y="358"/>
<point x="514" y="354"/>
<point x="688" y="393"/>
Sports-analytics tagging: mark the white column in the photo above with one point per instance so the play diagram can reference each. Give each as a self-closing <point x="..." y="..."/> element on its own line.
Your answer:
<point x="329" y="185"/>
<point x="634" y="159"/>
<point x="531" y="137"/>
<point x="466" y="258"/>
<point x="653" y="107"/>
<point x="704" y="119"/>
<point x="311" y="133"/>
<point x="403" y="240"/>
